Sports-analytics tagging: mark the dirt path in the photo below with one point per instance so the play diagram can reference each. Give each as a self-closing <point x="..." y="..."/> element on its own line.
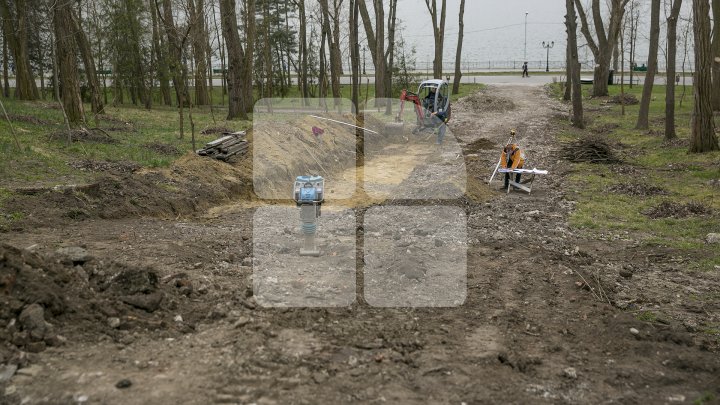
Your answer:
<point x="526" y="333"/>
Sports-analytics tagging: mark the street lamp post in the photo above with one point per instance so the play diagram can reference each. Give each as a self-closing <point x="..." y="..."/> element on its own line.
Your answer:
<point x="548" y="46"/>
<point x="364" y="48"/>
<point x="525" y="53"/>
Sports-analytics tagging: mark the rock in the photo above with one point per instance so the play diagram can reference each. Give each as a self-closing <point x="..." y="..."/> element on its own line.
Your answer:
<point x="35" y="347"/>
<point x="634" y="331"/>
<point x="7" y="371"/>
<point x="113" y="322"/>
<point x="148" y="302"/>
<point x="570" y="373"/>
<point x="30" y="371"/>
<point x="532" y="213"/>
<point x="32" y="319"/>
<point x="420" y="232"/>
<point x="439" y="243"/>
<point x="247" y="261"/>
<point x="626" y="273"/>
<point x="75" y="254"/>
<point x="125" y="383"/>
<point x="242" y="321"/>
<point x="178" y="318"/>
<point x="713" y="239"/>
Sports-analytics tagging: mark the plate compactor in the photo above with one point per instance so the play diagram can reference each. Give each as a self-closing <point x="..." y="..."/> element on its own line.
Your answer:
<point x="309" y="194"/>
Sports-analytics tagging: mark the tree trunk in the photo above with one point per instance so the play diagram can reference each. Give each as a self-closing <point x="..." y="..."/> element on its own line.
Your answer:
<point x="355" y="56"/>
<point x="67" y="62"/>
<point x="390" y="56"/>
<point x="376" y="45"/>
<point x="159" y="56"/>
<point x="96" y="101"/>
<point x="716" y="54"/>
<point x="236" y="54"/>
<point x="438" y="34"/>
<point x="567" y="95"/>
<point x="267" y="52"/>
<point x="574" y="79"/>
<point x="15" y="29"/>
<point x="643" y="120"/>
<point x="458" y="54"/>
<point x="671" y="56"/>
<point x="304" y="91"/>
<point x="6" y="80"/>
<point x="602" y="45"/>
<point x="703" y="137"/>
<point x="248" y="101"/>
<point x="196" y="9"/>
<point x="174" y="54"/>
<point x="333" y="45"/>
<point x="336" y="39"/>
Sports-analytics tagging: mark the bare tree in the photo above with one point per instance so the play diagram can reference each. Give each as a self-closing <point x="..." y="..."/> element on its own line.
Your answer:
<point x="6" y="57"/>
<point x="14" y="13"/>
<point x="196" y="9"/>
<point x="376" y="44"/>
<point x="703" y="137"/>
<point x="355" y="57"/>
<point x="458" y="54"/>
<point x="602" y="47"/>
<point x="438" y="24"/>
<point x="643" y="120"/>
<point x="236" y="76"/>
<point x="333" y="39"/>
<point x="574" y="63"/>
<point x="86" y="54"/>
<point x="716" y="53"/>
<point x="672" y="22"/>
<point x="66" y="56"/>
<point x="159" y="55"/>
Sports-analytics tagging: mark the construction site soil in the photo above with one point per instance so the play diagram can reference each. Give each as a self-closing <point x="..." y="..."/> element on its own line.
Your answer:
<point x="140" y="288"/>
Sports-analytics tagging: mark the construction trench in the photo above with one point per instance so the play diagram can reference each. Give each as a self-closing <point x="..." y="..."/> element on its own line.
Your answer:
<point x="432" y="287"/>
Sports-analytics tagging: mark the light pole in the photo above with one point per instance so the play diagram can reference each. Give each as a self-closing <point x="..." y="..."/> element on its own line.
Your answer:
<point x="525" y="53"/>
<point x="548" y="46"/>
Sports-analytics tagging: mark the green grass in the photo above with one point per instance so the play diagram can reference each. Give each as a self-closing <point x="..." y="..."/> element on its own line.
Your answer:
<point x="669" y="166"/>
<point x="43" y="160"/>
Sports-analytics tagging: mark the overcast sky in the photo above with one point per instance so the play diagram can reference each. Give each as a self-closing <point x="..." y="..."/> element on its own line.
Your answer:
<point x="494" y="29"/>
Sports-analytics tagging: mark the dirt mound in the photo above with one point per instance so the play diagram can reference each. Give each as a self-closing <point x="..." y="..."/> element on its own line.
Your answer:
<point x="479" y="145"/>
<point x="629" y="99"/>
<point x="105" y="166"/>
<point x="589" y="150"/>
<point x="638" y="189"/>
<point x="29" y="119"/>
<point x="47" y="300"/>
<point x="95" y="135"/>
<point x="216" y="130"/>
<point x="668" y="209"/>
<point x="190" y="185"/>
<point x="162" y="148"/>
<point x="489" y="103"/>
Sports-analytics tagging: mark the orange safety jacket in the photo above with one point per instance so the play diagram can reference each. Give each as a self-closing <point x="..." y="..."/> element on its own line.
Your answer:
<point x="516" y="156"/>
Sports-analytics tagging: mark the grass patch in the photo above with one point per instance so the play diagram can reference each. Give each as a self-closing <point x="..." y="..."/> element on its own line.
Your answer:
<point x="649" y="160"/>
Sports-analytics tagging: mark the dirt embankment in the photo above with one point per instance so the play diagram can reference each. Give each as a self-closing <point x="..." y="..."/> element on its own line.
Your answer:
<point x="191" y="184"/>
<point x="50" y="300"/>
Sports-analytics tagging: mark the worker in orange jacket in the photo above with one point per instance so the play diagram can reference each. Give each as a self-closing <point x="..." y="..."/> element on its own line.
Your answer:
<point x="512" y="158"/>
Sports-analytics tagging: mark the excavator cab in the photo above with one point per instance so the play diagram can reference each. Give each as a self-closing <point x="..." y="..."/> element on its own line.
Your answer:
<point x="433" y="96"/>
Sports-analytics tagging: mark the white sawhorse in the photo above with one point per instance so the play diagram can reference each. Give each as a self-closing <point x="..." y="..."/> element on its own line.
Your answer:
<point x="523" y="187"/>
